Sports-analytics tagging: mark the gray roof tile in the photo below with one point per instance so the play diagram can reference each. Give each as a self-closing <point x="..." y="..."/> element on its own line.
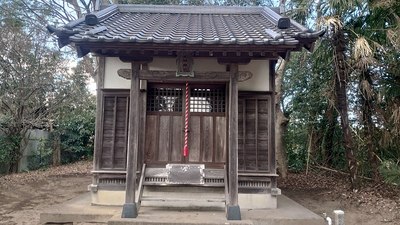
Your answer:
<point x="209" y="25"/>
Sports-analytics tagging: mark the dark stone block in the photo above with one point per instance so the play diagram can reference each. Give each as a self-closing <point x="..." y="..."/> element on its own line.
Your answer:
<point x="129" y="210"/>
<point x="233" y="212"/>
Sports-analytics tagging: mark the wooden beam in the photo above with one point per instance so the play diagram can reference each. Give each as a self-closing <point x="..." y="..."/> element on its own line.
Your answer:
<point x="153" y="75"/>
<point x="171" y="76"/>
<point x="135" y="58"/>
<point x="143" y="51"/>
<point x="99" y="113"/>
<point x="233" y="210"/>
<point x="129" y="209"/>
<point x="234" y="60"/>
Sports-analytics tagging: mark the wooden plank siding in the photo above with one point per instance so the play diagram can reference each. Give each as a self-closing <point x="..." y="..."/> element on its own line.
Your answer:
<point x="254" y="132"/>
<point x="114" y="130"/>
<point x="163" y="135"/>
<point x="164" y="139"/>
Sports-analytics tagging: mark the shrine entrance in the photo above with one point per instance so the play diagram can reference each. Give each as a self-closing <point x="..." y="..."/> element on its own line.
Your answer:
<point x="165" y="124"/>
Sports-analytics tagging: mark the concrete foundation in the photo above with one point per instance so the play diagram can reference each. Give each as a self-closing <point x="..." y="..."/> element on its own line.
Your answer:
<point x="81" y="211"/>
<point x="257" y="201"/>
<point x="108" y="198"/>
<point x="246" y="201"/>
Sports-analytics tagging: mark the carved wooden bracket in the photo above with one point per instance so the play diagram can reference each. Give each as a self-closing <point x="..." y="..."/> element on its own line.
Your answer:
<point x="125" y="73"/>
<point x="243" y="75"/>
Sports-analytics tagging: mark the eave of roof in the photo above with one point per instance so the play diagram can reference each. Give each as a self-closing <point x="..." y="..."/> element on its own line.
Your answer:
<point x="198" y="26"/>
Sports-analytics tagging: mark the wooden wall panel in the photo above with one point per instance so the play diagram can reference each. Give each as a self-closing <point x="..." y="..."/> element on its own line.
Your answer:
<point x="220" y="139"/>
<point x="194" y="139"/>
<point x="151" y="146"/>
<point x="177" y="139"/>
<point x="114" y="131"/>
<point x="254" y="140"/>
<point x="108" y="132"/>
<point x="263" y="136"/>
<point x="207" y="130"/>
<point x="241" y="133"/>
<point x="164" y="145"/>
<point x="121" y="139"/>
<point x="207" y="139"/>
<point x="250" y="134"/>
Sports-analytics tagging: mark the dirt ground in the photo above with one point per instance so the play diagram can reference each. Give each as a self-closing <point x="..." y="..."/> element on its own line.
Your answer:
<point x="322" y="192"/>
<point x="24" y="196"/>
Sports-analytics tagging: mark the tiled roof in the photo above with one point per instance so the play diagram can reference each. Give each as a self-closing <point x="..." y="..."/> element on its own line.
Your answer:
<point x="205" y="25"/>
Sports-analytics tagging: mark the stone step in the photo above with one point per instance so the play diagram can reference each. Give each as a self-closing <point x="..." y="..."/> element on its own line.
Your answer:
<point x="183" y="196"/>
<point x="177" y="199"/>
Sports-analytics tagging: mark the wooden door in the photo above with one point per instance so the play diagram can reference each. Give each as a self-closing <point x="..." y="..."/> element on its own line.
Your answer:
<point x="164" y="136"/>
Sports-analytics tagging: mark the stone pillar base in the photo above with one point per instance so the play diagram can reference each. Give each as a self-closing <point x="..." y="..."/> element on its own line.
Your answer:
<point x="233" y="212"/>
<point x="129" y="210"/>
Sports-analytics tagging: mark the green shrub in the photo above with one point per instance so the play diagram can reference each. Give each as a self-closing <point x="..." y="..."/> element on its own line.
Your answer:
<point x="10" y="149"/>
<point x="77" y="137"/>
<point x="390" y="172"/>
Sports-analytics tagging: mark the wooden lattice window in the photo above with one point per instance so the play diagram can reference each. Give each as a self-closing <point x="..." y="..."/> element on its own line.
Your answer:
<point x="207" y="100"/>
<point x="172" y="99"/>
<point x="164" y="99"/>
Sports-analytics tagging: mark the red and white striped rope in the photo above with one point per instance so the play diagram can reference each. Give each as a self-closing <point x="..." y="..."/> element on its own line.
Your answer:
<point x="187" y="99"/>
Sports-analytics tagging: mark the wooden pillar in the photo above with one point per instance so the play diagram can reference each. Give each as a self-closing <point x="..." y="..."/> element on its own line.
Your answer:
<point x="98" y="135"/>
<point x="129" y="209"/>
<point x="272" y="162"/>
<point x="142" y="118"/>
<point x="99" y="113"/>
<point x="233" y="209"/>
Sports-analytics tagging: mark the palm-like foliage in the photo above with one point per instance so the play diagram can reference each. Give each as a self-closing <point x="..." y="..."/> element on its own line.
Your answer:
<point x="360" y="55"/>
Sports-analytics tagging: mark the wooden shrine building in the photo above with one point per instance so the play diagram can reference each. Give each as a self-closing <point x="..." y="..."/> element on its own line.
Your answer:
<point x="185" y="99"/>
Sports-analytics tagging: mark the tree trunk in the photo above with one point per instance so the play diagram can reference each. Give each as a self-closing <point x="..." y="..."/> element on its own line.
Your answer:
<point x="281" y="122"/>
<point x="13" y="167"/>
<point x="341" y="78"/>
<point x="56" y="151"/>
<point x="368" y="126"/>
<point x="18" y="142"/>
<point x="56" y="146"/>
<point x="331" y="118"/>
